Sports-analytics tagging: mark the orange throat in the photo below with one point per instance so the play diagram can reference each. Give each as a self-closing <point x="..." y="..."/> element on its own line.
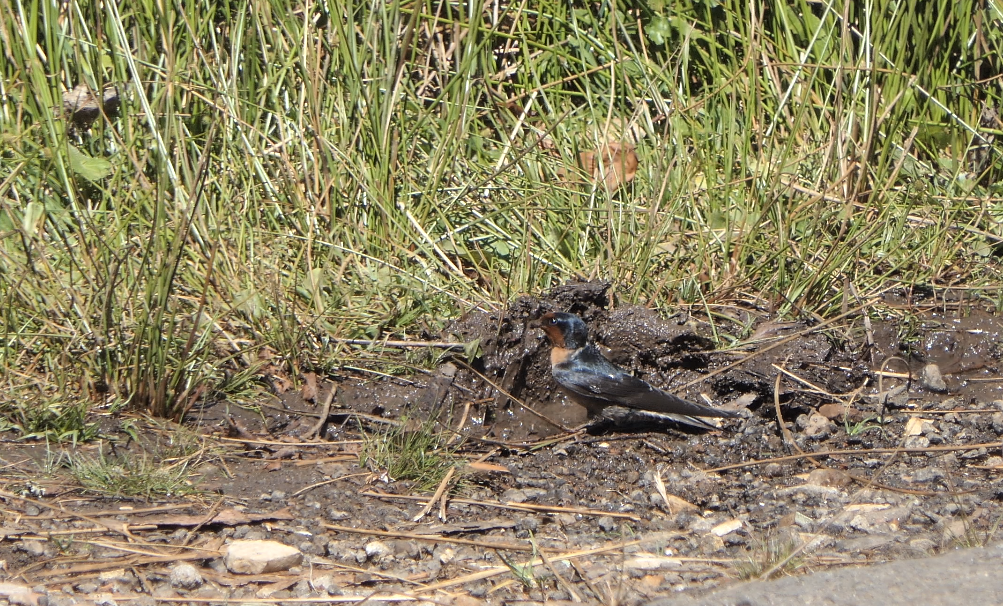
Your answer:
<point x="559" y="355"/>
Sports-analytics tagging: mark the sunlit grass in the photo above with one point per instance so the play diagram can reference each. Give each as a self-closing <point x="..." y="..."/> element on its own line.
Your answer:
<point x="415" y="452"/>
<point x="129" y="476"/>
<point x="282" y="173"/>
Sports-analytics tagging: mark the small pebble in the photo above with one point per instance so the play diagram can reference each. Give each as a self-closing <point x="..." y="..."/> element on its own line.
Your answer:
<point x="35" y="549"/>
<point x="185" y="576"/>
<point x="933" y="379"/>
<point x="377" y="549"/>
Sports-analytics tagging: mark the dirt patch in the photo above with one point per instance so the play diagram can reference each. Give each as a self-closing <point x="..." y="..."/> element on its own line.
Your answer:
<point x="851" y="477"/>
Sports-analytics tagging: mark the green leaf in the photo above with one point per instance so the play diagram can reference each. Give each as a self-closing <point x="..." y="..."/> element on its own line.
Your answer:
<point x="658" y="29"/>
<point x="472" y="350"/>
<point x="92" y="169"/>
<point x="250" y="303"/>
<point x="32" y="213"/>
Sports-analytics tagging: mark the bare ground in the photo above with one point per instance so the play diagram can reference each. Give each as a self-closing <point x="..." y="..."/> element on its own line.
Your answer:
<point x="623" y="515"/>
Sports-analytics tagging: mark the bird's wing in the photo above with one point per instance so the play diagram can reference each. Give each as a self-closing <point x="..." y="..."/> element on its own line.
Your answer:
<point x="591" y="375"/>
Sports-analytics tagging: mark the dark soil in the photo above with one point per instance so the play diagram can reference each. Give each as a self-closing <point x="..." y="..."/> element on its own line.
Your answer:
<point x="909" y="473"/>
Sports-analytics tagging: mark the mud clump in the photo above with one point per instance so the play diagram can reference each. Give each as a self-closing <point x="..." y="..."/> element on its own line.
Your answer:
<point x="515" y="357"/>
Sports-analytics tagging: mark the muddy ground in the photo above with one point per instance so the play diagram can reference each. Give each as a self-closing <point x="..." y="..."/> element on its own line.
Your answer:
<point x="908" y="414"/>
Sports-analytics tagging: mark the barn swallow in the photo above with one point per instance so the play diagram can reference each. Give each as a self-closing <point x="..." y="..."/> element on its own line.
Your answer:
<point x="596" y="383"/>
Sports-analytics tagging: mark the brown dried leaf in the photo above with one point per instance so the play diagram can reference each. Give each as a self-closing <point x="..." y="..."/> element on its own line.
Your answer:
<point x="618" y="164"/>
<point x="83" y="108"/>
<point x="832" y="411"/>
<point x="286" y="452"/>
<point x="281" y="383"/>
<point x="227" y="517"/>
<point x="309" y="391"/>
<point x="465" y="527"/>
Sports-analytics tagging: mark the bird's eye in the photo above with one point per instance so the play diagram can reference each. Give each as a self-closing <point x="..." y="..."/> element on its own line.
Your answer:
<point x="553" y="321"/>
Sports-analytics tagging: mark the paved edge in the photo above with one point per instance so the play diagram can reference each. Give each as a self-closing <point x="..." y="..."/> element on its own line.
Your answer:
<point x="973" y="575"/>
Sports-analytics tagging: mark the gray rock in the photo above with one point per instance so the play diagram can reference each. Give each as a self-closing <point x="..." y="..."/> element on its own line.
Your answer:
<point x="606" y="524"/>
<point x="376" y="550"/>
<point x="302" y="588"/>
<point x="88" y="587"/>
<point x="974" y="454"/>
<point x="259" y="557"/>
<point x="529" y="523"/>
<point x="926" y="474"/>
<point x="61" y="599"/>
<point x="310" y="548"/>
<point x="35" y="549"/>
<point x="997" y="420"/>
<point x="817" y="427"/>
<point x="933" y="379"/>
<point x="514" y="495"/>
<point x="186" y="576"/>
<point x="405" y="549"/>
<point x="866" y="543"/>
<point x="326" y="584"/>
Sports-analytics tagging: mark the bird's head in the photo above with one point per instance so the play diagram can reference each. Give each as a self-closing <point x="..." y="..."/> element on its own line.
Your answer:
<point x="564" y="330"/>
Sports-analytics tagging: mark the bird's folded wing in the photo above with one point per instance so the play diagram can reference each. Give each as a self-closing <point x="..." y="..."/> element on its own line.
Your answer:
<point x="618" y="387"/>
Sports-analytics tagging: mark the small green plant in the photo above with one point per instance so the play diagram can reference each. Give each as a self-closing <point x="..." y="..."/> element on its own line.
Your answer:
<point x="767" y="553"/>
<point x="525" y="573"/>
<point x="126" y="476"/>
<point x="57" y="419"/>
<point x="409" y="451"/>
<point x="859" y="427"/>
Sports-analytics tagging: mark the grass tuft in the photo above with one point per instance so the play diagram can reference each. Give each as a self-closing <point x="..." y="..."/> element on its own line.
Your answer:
<point x="129" y="476"/>
<point x="56" y="419"/>
<point x="412" y="452"/>
<point x="764" y="554"/>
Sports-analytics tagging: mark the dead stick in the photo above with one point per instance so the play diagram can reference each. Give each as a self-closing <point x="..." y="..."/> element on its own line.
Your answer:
<point x="403" y="344"/>
<point x="329" y="600"/>
<point x="315" y="432"/>
<point x="514" y="506"/>
<point x="862" y="452"/>
<point x="438" y="494"/>
<point x="430" y="537"/>
<point x="525" y="406"/>
<point x="123" y="531"/>
<point x="331" y="481"/>
<point x="486" y="574"/>
<point x="760" y="352"/>
<point x="560" y="579"/>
